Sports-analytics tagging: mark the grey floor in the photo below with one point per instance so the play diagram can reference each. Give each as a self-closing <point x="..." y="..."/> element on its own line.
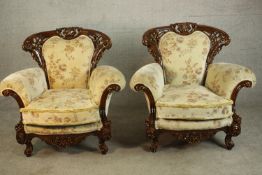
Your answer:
<point x="128" y="150"/>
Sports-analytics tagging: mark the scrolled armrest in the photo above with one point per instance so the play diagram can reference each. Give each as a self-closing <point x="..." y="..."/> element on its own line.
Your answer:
<point x="27" y="84"/>
<point x="223" y="78"/>
<point x="105" y="78"/>
<point x="149" y="79"/>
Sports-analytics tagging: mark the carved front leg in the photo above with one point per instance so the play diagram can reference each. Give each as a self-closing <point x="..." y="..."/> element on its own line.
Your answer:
<point x="23" y="138"/>
<point x="152" y="133"/>
<point x="233" y="130"/>
<point x="29" y="147"/>
<point x="104" y="134"/>
<point x="20" y="133"/>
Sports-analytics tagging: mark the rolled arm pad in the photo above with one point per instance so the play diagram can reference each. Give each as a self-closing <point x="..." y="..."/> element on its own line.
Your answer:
<point x="27" y="83"/>
<point x="101" y="78"/>
<point x="222" y="78"/>
<point x="152" y="77"/>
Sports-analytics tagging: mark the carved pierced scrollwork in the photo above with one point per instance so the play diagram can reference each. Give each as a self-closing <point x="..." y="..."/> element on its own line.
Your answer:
<point x="68" y="33"/>
<point x="218" y="39"/>
<point x="34" y="46"/>
<point x="101" y="43"/>
<point x="183" y="28"/>
<point x="62" y="141"/>
<point x="194" y="136"/>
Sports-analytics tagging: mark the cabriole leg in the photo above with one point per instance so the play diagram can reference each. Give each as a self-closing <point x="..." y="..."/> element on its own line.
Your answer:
<point x="152" y="133"/>
<point x="104" y="134"/>
<point x="233" y="131"/>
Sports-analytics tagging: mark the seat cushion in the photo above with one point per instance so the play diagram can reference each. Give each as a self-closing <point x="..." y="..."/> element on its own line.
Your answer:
<point x="57" y="130"/>
<point x="180" y="125"/>
<point x="192" y="103"/>
<point x="61" y="107"/>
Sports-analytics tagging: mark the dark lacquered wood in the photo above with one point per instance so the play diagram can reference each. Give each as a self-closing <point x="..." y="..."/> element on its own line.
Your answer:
<point x="218" y="39"/>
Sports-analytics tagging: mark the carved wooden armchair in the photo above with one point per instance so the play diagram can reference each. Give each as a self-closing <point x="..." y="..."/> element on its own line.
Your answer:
<point x="187" y="95"/>
<point x="67" y="98"/>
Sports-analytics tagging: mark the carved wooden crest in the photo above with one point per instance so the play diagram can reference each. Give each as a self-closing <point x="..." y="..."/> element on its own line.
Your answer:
<point x="183" y="28"/>
<point x="68" y="33"/>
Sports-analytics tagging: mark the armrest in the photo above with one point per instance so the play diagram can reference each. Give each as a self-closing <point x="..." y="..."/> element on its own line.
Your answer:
<point x="27" y="84"/>
<point x="151" y="76"/>
<point x="223" y="78"/>
<point x="105" y="78"/>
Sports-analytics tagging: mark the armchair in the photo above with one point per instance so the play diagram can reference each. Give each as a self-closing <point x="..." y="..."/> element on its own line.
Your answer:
<point x="67" y="98"/>
<point x="187" y="95"/>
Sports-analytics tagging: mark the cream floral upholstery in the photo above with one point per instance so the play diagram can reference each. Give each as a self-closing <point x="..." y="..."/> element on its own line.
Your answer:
<point x="61" y="107"/>
<point x="77" y="129"/>
<point x="68" y="61"/>
<point x="192" y="103"/>
<point x="28" y="84"/>
<point x="152" y="77"/>
<point x="101" y="78"/>
<point x="222" y="78"/>
<point x="184" y="57"/>
<point x="180" y="125"/>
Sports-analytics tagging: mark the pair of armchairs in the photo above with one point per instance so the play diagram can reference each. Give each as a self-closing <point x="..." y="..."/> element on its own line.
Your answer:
<point x="67" y="98"/>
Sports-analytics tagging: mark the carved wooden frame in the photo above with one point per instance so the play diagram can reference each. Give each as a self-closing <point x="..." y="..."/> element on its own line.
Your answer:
<point x="218" y="39"/>
<point x="33" y="44"/>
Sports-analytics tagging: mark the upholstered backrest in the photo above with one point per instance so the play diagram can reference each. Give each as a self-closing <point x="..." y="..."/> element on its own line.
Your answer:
<point x="68" y="61"/>
<point x="67" y="55"/>
<point x="184" y="50"/>
<point x="184" y="57"/>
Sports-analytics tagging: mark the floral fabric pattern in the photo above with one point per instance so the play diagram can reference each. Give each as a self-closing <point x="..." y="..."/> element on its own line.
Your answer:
<point x="192" y="103"/>
<point x="53" y="130"/>
<point x="151" y="76"/>
<point x="179" y="125"/>
<point x="190" y="96"/>
<point x="61" y="107"/>
<point x="222" y="78"/>
<point x="184" y="57"/>
<point x="27" y="83"/>
<point x="68" y="61"/>
<point x="194" y="113"/>
<point x="101" y="78"/>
